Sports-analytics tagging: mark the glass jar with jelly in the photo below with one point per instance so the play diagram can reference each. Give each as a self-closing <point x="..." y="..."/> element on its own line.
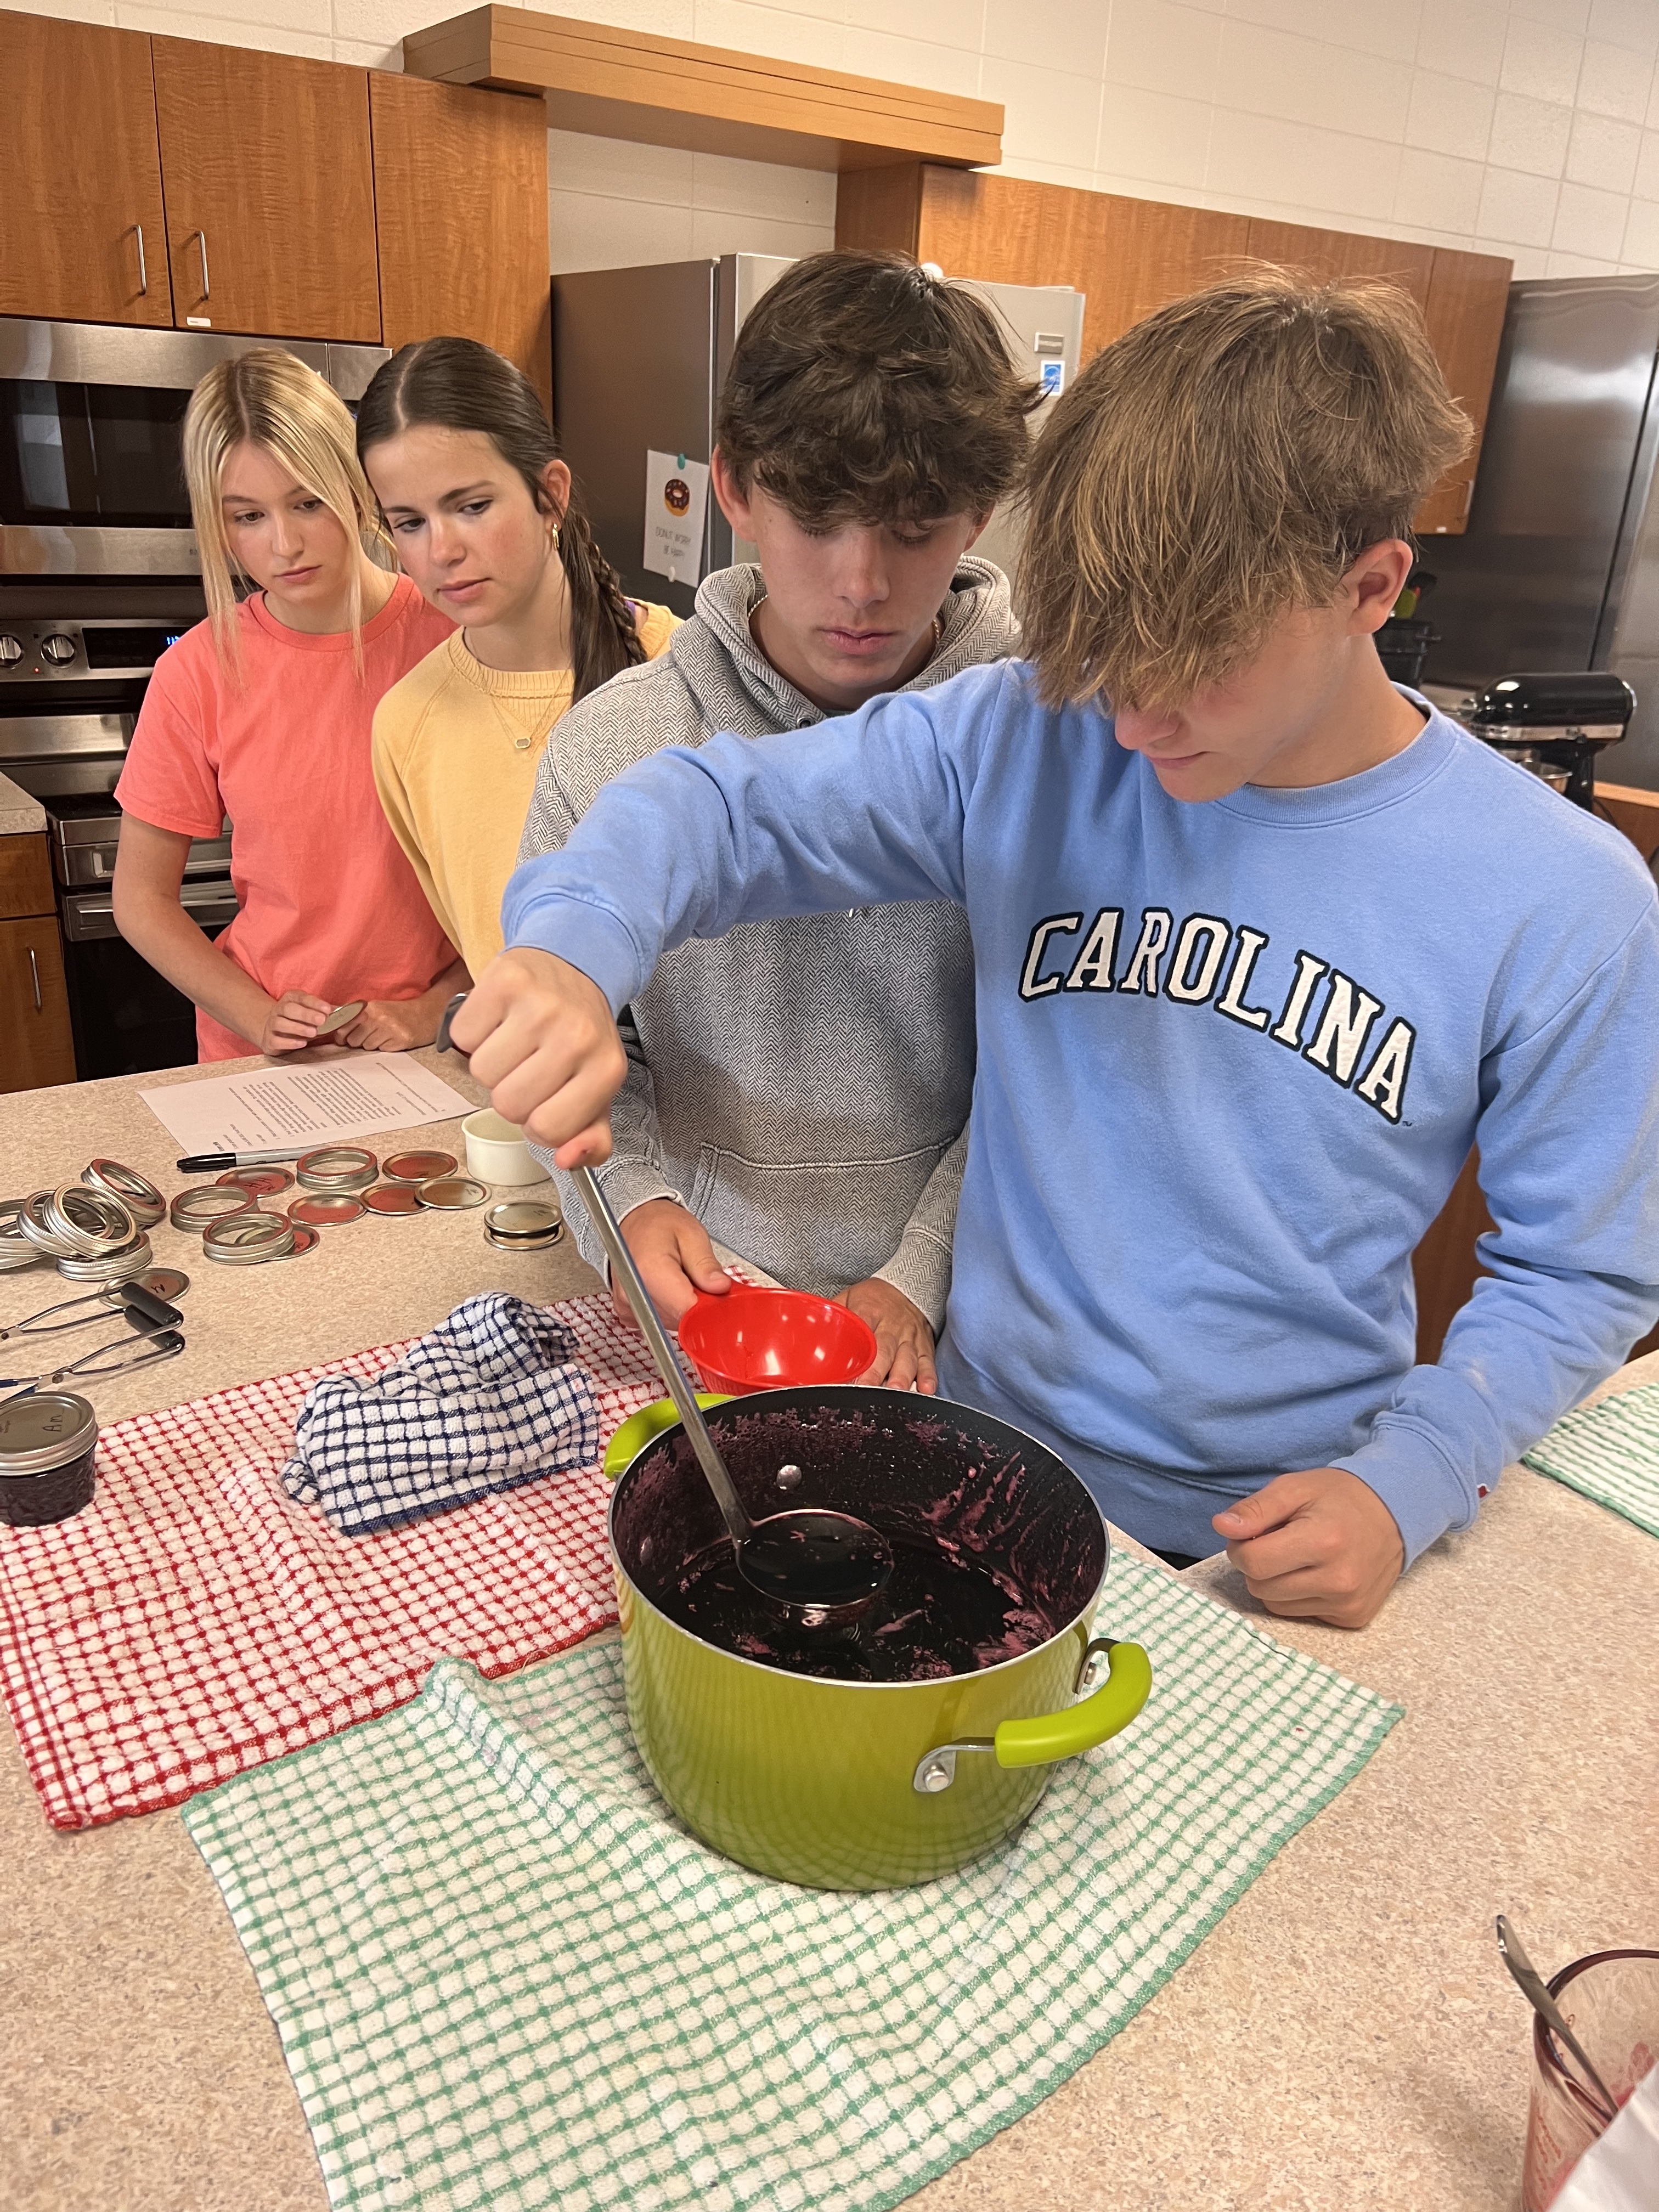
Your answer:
<point x="48" y="1443"/>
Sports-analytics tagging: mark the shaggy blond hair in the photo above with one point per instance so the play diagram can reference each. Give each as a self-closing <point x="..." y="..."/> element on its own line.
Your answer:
<point x="1223" y="461"/>
<point x="272" y="400"/>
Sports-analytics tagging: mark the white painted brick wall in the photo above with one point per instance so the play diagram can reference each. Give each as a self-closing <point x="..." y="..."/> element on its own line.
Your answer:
<point x="1525" y="127"/>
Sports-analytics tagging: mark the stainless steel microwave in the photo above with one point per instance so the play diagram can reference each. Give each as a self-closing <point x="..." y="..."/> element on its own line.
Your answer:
<point x="91" y="478"/>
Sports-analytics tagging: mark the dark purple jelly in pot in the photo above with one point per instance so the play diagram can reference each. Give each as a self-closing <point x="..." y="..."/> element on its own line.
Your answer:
<point x="48" y="1445"/>
<point x="991" y="1557"/>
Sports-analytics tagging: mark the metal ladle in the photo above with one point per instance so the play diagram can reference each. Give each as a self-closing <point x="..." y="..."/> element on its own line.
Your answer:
<point x="1535" y="1989"/>
<point x="819" y="1568"/>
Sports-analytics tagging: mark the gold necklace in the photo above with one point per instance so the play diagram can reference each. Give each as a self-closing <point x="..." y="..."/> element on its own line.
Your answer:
<point x="522" y="741"/>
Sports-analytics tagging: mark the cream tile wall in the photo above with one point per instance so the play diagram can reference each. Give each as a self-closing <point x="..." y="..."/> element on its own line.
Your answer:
<point x="1524" y="127"/>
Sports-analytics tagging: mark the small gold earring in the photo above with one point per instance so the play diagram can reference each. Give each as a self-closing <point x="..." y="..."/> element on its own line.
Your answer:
<point x="555" y="537"/>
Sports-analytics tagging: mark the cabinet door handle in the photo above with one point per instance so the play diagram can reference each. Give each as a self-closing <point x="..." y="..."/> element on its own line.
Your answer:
<point x="207" y="289"/>
<point x="34" y="971"/>
<point x="143" y="273"/>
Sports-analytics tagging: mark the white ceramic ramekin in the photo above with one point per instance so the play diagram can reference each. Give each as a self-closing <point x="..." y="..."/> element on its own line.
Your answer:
<point x="496" y="1152"/>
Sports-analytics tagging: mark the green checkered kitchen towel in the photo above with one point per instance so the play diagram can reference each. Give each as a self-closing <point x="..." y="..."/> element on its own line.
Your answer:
<point x="1609" y="1452"/>
<point x="505" y="1977"/>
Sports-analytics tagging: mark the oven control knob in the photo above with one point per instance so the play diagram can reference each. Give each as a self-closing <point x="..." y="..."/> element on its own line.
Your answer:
<point x="58" y="647"/>
<point x="10" y="651"/>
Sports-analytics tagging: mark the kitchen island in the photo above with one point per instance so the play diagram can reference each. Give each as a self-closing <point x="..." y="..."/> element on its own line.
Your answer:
<point x="1346" y="2040"/>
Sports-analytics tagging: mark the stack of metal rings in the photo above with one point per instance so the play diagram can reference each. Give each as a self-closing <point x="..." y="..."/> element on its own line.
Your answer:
<point x="32" y="1225"/>
<point x="90" y="1232"/>
<point x="522" y="1225"/>
<point x="204" y="1204"/>
<point x="338" y="1170"/>
<point x="246" y="1239"/>
<point x="134" y="1259"/>
<point x="136" y="1192"/>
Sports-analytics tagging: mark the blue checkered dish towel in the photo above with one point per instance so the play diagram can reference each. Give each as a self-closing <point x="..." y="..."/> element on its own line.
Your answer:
<point x="491" y="1399"/>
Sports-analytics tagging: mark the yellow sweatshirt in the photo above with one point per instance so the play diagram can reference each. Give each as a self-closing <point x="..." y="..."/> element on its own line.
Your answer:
<point x="456" y="749"/>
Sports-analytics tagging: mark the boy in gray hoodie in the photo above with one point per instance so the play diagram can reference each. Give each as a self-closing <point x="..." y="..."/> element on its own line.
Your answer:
<point x="798" y="1090"/>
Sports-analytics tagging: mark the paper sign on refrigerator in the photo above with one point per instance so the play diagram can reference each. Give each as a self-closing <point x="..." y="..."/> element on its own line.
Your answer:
<point x="676" y="501"/>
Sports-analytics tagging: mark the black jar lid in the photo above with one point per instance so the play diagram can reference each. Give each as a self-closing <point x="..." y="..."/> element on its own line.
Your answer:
<point x="45" y="1430"/>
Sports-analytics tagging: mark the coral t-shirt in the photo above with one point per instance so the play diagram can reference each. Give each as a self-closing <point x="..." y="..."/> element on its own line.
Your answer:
<point x="329" y="903"/>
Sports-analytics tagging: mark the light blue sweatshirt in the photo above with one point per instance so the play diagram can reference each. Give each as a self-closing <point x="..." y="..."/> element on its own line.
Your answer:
<point x="1231" y="1058"/>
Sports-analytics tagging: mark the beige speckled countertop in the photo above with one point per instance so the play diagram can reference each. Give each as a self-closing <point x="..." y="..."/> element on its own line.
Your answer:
<point x="1346" y="2041"/>
<point x="18" y="811"/>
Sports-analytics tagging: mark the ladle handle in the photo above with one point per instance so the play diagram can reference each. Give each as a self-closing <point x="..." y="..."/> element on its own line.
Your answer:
<point x="1536" y="1991"/>
<point x="623" y="1269"/>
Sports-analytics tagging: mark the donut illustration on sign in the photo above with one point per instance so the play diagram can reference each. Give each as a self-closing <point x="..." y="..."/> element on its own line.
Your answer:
<point x="677" y="496"/>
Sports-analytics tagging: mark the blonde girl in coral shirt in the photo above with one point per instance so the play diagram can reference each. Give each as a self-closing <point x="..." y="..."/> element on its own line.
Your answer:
<point x="461" y="455"/>
<point x="263" y="712"/>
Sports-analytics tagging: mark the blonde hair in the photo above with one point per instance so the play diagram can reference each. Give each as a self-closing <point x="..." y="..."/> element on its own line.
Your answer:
<point x="1226" y="460"/>
<point x="270" y="399"/>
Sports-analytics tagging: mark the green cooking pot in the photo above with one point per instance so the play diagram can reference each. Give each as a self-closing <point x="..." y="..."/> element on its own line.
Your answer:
<point x="842" y="1784"/>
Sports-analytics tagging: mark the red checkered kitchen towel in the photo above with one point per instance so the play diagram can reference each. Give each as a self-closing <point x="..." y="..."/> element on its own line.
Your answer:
<point x="195" y="1621"/>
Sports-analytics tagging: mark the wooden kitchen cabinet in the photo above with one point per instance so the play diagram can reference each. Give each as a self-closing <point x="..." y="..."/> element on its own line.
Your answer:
<point x="270" y="192"/>
<point x="36" y="1045"/>
<point x="1634" y="812"/>
<point x="1468" y="293"/>
<point x="25" y="874"/>
<point x="1126" y="257"/>
<point x="1156" y="253"/>
<point x="1129" y="257"/>
<point x="460" y="194"/>
<point x="83" y="235"/>
<point x="612" y="81"/>
<point x="1445" y="1264"/>
<point x="1003" y="230"/>
<point x="271" y="195"/>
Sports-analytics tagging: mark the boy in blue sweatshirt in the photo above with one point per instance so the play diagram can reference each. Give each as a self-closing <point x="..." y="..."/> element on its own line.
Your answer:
<point x="1262" y="943"/>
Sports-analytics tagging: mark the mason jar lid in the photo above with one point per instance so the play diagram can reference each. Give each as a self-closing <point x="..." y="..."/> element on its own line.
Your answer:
<point x="521" y="1216"/>
<point x="389" y="1198"/>
<point x="453" y="1194"/>
<point x="47" y="1429"/>
<point x="324" y="1212"/>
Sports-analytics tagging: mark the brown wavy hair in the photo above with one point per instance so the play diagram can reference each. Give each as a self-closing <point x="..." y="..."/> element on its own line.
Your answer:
<point x="866" y="388"/>
<point x="1226" y="460"/>
<point x="458" y="384"/>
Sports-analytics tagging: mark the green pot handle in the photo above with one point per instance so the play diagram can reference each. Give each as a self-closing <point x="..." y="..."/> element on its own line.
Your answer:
<point x="637" y="1431"/>
<point x="1079" y="1728"/>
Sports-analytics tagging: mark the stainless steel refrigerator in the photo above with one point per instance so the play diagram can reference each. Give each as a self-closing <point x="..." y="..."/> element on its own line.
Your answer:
<point x="1559" y="567"/>
<point x="639" y="357"/>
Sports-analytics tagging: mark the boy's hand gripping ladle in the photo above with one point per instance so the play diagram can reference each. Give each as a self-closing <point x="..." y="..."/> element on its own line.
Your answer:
<point x="819" y="1568"/>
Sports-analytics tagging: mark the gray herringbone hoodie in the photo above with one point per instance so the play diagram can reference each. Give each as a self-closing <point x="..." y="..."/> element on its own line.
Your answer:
<point x="802" y="1085"/>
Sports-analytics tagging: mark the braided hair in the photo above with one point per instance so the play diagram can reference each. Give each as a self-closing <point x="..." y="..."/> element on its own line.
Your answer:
<point x="457" y="384"/>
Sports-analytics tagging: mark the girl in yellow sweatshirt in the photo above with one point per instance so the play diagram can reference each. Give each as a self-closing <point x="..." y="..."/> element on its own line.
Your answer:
<point x="465" y="464"/>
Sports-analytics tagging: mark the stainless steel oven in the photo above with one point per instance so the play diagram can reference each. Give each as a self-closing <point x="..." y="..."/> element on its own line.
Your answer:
<point x="74" y="658"/>
<point x="125" y="1017"/>
<point x="91" y="483"/>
